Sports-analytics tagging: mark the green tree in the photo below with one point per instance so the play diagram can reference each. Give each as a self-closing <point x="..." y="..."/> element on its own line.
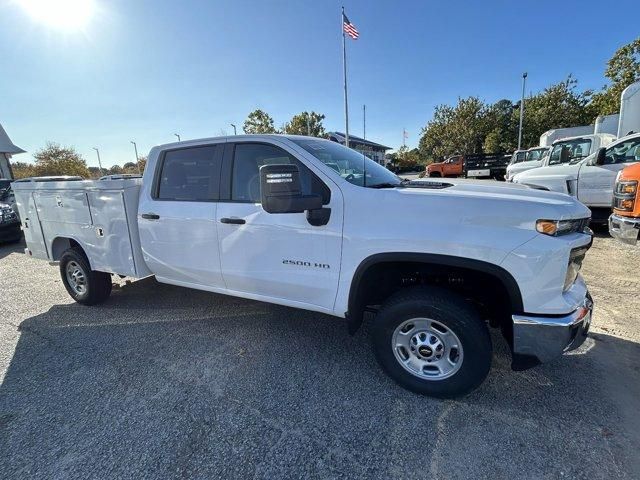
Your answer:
<point x="258" y="122"/>
<point x="622" y="70"/>
<point x="459" y="129"/>
<point x="500" y="130"/>
<point x="54" y="159"/>
<point x="557" y="106"/>
<point x="306" y="123"/>
<point x="114" y="170"/>
<point x="133" y="167"/>
<point x="23" y="170"/>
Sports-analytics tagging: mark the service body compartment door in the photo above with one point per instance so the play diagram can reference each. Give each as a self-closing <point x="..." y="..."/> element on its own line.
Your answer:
<point x="177" y="218"/>
<point x="31" y="224"/>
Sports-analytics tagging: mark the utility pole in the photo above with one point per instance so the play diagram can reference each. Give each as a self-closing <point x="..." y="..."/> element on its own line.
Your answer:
<point x="364" y="122"/>
<point x="135" y="148"/>
<point x="234" y="129"/>
<point x="99" y="162"/>
<point x="404" y="137"/>
<point x="177" y="136"/>
<point x="524" y="81"/>
<point x="308" y="126"/>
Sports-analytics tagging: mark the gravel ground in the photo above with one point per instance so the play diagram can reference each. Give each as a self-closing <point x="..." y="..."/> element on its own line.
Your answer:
<point x="165" y="382"/>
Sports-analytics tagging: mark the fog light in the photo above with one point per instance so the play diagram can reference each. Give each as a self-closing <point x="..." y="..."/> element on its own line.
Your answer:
<point x="626" y="204"/>
<point x="576" y="258"/>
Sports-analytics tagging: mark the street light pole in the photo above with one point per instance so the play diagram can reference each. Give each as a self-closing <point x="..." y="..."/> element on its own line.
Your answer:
<point x="234" y="129"/>
<point x="99" y="162"/>
<point x="524" y="81"/>
<point x="135" y="147"/>
<point x="364" y="122"/>
<point x="177" y="136"/>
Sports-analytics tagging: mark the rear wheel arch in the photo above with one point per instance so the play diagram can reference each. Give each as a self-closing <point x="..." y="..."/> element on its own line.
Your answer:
<point x="61" y="245"/>
<point x="370" y="270"/>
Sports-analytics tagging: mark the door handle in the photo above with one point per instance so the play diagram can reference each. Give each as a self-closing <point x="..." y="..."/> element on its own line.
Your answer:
<point x="150" y="216"/>
<point x="233" y="221"/>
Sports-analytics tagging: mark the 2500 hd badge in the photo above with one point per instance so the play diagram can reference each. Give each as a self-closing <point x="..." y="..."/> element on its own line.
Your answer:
<point x="302" y="263"/>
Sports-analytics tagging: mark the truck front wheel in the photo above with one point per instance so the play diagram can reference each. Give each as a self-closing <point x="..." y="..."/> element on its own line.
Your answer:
<point x="432" y="342"/>
<point x="85" y="286"/>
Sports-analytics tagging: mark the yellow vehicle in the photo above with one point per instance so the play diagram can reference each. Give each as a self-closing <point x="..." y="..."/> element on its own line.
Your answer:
<point x="624" y="223"/>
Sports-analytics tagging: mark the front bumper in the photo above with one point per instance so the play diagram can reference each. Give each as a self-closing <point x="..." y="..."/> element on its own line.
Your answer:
<point x="540" y="338"/>
<point x="624" y="229"/>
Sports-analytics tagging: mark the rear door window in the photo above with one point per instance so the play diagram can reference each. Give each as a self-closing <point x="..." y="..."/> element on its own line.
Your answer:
<point x="190" y="174"/>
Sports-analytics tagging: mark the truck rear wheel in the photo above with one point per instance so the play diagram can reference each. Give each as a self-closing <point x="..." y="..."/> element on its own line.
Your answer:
<point x="85" y="286"/>
<point x="432" y="342"/>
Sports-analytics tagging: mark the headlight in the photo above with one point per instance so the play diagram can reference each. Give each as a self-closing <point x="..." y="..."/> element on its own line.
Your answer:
<point x="624" y="195"/>
<point x="575" y="264"/>
<point x="562" y="227"/>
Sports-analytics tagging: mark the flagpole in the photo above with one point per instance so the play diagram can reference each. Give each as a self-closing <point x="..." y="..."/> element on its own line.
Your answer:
<point x="344" y="70"/>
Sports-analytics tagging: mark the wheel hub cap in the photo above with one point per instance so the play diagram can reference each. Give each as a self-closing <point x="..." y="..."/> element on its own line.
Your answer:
<point x="76" y="278"/>
<point x="427" y="349"/>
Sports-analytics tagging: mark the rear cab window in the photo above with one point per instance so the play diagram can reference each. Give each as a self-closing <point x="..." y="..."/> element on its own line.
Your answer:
<point x="190" y="174"/>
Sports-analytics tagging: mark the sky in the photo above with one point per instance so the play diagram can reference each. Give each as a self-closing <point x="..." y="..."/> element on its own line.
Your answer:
<point x="143" y="70"/>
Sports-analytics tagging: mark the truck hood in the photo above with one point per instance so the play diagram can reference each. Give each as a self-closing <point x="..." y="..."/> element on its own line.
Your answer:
<point x="506" y="200"/>
<point x="522" y="166"/>
<point x="565" y="172"/>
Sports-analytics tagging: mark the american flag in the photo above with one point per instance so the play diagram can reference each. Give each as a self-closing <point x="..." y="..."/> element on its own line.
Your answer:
<point x="349" y="28"/>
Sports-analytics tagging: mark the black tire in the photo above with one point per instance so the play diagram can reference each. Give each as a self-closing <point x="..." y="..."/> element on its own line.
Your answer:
<point x="97" y="284"/>
<point x="447" y="309"/>
<point x="435" y="175"/>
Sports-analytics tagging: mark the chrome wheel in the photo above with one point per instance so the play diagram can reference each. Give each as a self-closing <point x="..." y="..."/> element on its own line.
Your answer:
<point x="427" y="349"/>
<point x="76" y="278"/>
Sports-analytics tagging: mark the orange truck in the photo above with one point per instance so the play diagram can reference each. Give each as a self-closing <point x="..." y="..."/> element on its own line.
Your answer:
<point x="624" y="223"/>
<point x="471" y="166"/>
<point x="451" y="167"/>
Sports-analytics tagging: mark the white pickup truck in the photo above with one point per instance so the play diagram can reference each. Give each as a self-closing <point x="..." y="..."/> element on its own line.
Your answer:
<point x="589" y="179"/>
<point x="561" y="152"/>
<point x="308" y="223"/>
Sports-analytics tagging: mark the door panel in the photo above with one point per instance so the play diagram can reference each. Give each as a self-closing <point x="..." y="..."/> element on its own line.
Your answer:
<point x="280" y="256"/>
<point x="596" y="182"/>
<point x="177" y="221"/>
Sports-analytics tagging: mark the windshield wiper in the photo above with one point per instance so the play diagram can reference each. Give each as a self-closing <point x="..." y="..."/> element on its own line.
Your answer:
<point x="402" y="183"/>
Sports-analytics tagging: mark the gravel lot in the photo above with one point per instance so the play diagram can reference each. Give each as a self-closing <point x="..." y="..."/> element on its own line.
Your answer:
<point x="165" y="382"/>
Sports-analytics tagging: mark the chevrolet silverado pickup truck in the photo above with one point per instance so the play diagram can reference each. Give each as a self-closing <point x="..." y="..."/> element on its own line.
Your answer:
<point x="589" y="179"/>
<point x="311" y="224"/>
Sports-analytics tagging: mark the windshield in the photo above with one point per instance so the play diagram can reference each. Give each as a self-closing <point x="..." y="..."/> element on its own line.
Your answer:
<point x="536" y="154"/>
<point x="348" y="163"/>
<point x="570" y="150"/>
<point x="519" y="156"/>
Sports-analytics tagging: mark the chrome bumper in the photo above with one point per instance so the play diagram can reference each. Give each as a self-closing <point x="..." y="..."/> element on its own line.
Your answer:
<point x="538" y="338"/>
<point x="624" y="229"/>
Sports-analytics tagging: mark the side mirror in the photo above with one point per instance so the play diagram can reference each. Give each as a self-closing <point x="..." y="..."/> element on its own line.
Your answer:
<point x="281" y="191"/>
<point x="601" y="158"/>
<point x="565" y="156"/>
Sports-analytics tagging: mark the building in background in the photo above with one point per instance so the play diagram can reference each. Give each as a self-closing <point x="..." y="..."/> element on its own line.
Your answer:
<point x="7" y="148"/>
<point x="373" y="150"/>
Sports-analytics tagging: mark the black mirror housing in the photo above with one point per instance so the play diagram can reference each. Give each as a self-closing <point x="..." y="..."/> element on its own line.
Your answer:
<point x="601" y="157"/>
<point x="281" y="190"/>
